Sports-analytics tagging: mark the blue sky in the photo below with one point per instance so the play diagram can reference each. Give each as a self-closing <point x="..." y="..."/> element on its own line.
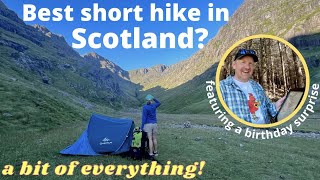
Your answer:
<point x="130" y="59"/>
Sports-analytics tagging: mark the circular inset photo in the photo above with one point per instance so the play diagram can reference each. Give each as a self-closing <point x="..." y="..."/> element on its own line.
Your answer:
<point x="262" y="81"/>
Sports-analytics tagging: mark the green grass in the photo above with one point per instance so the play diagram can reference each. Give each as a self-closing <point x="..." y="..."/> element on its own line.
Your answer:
<point x="37" y="106"/>
<point x="225" y="157"/>
<point x="30" y="108"/>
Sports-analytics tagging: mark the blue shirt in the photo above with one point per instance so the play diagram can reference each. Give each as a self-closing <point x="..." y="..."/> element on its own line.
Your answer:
<point x="237" y="100"/>
<point x="149" y="114"/>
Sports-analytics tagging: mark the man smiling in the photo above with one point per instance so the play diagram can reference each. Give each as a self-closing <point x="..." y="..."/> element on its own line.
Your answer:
<point x="245" y="97"/>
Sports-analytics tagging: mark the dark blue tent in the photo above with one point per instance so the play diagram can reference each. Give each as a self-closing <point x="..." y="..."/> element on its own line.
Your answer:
<point x="103" y="135"/>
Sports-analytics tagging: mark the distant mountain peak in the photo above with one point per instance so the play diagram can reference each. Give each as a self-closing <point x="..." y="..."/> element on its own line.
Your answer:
<point x="46" y="31"/>
<point x="93" y="56"/>
<point x="106" y="64"/>
<point x="43" y="29"/>
<point x="160" y="67"/>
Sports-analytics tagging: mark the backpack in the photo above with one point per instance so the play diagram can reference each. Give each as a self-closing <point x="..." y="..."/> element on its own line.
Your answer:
<point x="139" y="145"/>
<point x="137" y="137"/>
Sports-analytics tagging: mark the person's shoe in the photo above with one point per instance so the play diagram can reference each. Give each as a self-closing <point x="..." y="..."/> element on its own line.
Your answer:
<point x="151" y="157"/>
<point x="155" y="153"/>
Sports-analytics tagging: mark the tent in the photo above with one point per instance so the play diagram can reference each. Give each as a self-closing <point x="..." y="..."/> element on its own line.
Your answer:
<point x="103" y="135"/>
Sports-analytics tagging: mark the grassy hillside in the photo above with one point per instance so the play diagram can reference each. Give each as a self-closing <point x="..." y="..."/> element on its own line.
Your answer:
<point x="28" y="104"/>
<point x="44" y="56"/>
<point x="34" y="106"/>
<point x="189" y="98"/>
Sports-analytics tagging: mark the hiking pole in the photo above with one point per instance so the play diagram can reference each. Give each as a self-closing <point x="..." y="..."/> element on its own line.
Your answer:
<point x="158" y="162"/>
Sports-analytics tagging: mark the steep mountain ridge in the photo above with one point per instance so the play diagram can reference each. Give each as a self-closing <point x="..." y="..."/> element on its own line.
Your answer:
<point x="106" y="73"/>
<point x="296" y="21"/>
<point x="106" y="64"/>
<point x="283" y="18"/>
<point x="40" y="56"/>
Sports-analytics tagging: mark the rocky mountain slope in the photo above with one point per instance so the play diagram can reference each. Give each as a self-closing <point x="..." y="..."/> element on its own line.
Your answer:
<point x="284" y="18"/>
<point x="105" y="73"/>
<point x="294" y="20"/>
<point x="40" y="56"/>
<point x="148" y="76"/>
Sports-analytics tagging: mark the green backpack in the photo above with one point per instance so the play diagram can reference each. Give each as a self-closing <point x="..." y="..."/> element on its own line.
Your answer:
<point x="137" y="137"/>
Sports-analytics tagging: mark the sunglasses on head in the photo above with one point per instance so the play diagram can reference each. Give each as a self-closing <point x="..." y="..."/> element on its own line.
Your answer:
<point x="246" y="51"/>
